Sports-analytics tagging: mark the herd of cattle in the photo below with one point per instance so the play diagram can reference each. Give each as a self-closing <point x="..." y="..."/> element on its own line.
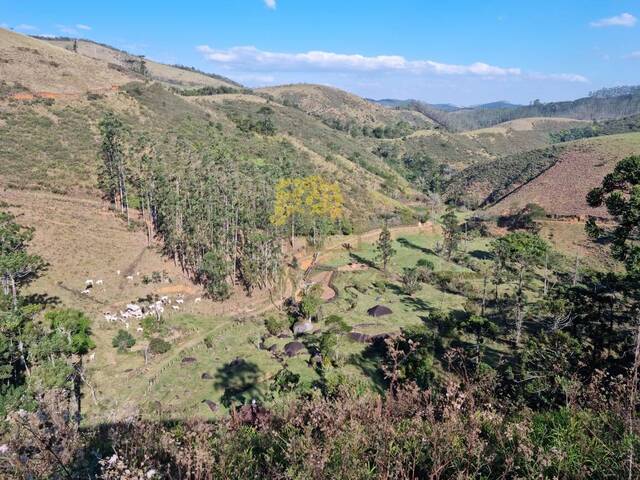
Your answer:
<point x="138" y="312"/>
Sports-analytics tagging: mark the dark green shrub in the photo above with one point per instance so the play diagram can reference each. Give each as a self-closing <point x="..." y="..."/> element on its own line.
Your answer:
<point x="123" y="341"/>
<point x="159" y="346"/>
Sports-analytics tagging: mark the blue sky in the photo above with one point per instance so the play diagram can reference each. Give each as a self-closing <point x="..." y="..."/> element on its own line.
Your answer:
<point x="464" y="52"/>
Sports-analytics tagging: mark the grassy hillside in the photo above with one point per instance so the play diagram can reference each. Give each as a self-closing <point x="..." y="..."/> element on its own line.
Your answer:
<point x="340" y="108"/>
<point x="32" y="68"/>
<point x="175" y="75"/>
<point x="520" y="135"/>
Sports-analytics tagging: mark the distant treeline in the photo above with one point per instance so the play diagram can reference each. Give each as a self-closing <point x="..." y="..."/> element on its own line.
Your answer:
<point x="609" y="127"/>
<point x="596" y="108"/>
<point x="615" y="91"/>
<point x="209" y="90"/>
<point x="396" y="130"/>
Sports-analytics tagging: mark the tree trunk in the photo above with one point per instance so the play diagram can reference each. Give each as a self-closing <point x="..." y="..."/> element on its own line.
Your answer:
<point x="632" y="398"/>
<point x="546" y="274"/>
<point x="484" y="294"/>
<point x="14" y="292"/>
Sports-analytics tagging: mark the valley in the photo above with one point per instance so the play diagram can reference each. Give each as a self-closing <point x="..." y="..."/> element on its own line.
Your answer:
<point x="200" y="278"/>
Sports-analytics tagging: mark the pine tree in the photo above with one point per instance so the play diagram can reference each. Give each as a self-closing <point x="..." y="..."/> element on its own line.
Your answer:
<point x="385" y="247"/>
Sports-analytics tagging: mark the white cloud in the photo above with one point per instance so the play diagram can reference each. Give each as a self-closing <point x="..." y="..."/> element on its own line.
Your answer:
<point x="26" y="27"/>
<point x="249" y="58"/>
<point x="270" y="4"/>
<point x="622" y="20"/>
<point x="562" y="77"/>
<point x="634" y="55"/>
<point x="67" y="30"/>
<point x="81" y="26"/>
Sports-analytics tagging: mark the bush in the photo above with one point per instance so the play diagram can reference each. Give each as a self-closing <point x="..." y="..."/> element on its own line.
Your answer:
<point x="336" y="323"/>
<point x="159" y="346"/>
<point x="410" y="282"/>
<point x="123" y="341"/>
<point x="149" y="325"/>
<point x="276" y="325"/>
<point x="424" y="262"/>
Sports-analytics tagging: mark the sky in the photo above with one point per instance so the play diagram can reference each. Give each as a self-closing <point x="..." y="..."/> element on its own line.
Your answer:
<point x="463" y="52"/>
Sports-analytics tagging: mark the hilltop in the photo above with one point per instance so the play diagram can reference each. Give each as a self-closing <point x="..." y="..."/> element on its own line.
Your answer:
<point x="342" y="109"/>
<point x="175" y="75"/>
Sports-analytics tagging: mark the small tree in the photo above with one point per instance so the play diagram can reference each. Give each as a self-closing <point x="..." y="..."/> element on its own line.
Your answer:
<point x="451" y="232"/>
<point x="520" y="253"/>
<point x="123" y="341"/>
<point x="17" y="266"/>
<point x="310" y="301"/>
<point x="73" y="328"/>
<point x="385" y="247"/>
<point x="480" y="327"/>
<point x="410" y="281"/>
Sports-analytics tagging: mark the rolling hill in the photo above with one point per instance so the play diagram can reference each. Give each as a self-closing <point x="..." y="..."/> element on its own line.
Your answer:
<point x="32" y="68"/>
<point x="174" y="75"/>
<point x="59" y="136"/>
<point x="341" y="108"/>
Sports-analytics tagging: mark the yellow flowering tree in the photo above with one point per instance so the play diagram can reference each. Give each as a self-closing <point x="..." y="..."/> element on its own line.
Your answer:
<point x="310" y="198"/>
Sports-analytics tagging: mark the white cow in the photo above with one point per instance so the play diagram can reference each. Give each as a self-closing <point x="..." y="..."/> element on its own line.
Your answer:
<point x="130" y="277"/>
<point x="175" y="307"/>
<point x="180" y="300"/>
<point x="197" y="300"/>
<point x="99" y="282"/>
<point x="86" y="291"/>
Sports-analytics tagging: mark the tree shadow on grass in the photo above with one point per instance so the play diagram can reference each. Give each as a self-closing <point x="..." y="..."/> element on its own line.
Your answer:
<point x="363" y="260"/>
<point x="369" y="361"/>
<point x="417" y="304"/>
<point x="42" y="299"/>
<point x="240" y="380"/>
<point x="409" y="244"/>
<point x="481" y="255"/>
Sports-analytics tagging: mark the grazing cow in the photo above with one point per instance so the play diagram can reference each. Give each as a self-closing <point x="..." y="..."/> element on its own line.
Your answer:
<point x="130" y="277"/>
<point x="85" y="291"/>
<point x="99" y="282"/>
<point x="165" y="299"/>
<point x="175" y="307"/>
<point x="139" y="329"/>
<point x="126" y="325"/>
<point x="197" y="300"/>
<point x="137" y="274"/>
<point x="92" y="357"/>
<point x="88" y="283"/>
<point x="117" y="272"/>
<point x="180" y="300"/>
